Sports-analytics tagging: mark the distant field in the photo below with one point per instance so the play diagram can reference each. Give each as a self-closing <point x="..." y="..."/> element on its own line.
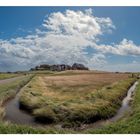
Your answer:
<point x="72" y="98"/>
<point x="82" y="83"/>
<point x="7" y="75"/>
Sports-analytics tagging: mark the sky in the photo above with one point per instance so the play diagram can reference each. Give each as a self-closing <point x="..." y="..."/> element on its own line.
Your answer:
<point x="102" y="38"/>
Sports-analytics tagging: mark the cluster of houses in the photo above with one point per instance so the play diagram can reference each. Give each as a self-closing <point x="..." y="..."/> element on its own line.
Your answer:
<point x="60" y="67"/>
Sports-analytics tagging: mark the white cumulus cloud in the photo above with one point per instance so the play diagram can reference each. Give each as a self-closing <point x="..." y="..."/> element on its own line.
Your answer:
<point x="125" y="47"/>
<point x="65" y="38"/>
<point x="78" y="23"/>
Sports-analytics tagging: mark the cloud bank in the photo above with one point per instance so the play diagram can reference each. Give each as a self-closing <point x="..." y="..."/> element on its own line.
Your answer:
<point x="65" y="38"/>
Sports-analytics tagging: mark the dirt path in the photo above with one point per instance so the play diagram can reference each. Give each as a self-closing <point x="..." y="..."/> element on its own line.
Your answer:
<point x="10" y="79"/>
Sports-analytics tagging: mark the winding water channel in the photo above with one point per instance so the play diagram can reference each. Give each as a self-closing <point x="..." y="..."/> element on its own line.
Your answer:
<point x="15" y="115"/>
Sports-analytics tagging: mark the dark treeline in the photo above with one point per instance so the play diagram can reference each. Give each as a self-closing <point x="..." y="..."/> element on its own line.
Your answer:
<point x="60" y="67"/>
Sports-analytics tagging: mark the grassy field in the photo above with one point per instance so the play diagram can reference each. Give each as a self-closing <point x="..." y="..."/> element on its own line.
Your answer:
<point x="75" y="99"/>
<point x="8" y="75"/>
<point x="71" y="99"/>
<point x="9" y="89"/>
<point x="129" y="124"/>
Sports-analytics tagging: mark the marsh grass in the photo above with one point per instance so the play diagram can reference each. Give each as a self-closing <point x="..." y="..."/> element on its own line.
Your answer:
<point x="96" y="104"/>
<point x="129" y="124"/>
<point x="50" y="106"/>
<point x="9" y="128"/>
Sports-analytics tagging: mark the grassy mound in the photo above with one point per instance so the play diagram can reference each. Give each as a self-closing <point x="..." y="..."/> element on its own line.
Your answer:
<point x="53" y="107"/>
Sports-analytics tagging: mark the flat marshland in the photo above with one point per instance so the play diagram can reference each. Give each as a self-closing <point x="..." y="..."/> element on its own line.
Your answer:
<point x="72" y="99"/>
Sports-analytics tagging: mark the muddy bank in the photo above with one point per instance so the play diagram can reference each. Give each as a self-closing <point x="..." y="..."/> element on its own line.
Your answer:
<point x="15" y="115"/>
<point x="8" y="81"/>
<point x="12" y="110"/>
<point x="125" y="103"/>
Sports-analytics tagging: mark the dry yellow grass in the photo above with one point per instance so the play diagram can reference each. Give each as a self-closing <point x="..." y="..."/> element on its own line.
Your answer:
<point x="76" y="97"/>
<point x="78" y="84"/>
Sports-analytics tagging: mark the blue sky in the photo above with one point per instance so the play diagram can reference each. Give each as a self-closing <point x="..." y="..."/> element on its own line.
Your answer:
<point x="107" y="51"/>
<point x="126" y="20"/>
